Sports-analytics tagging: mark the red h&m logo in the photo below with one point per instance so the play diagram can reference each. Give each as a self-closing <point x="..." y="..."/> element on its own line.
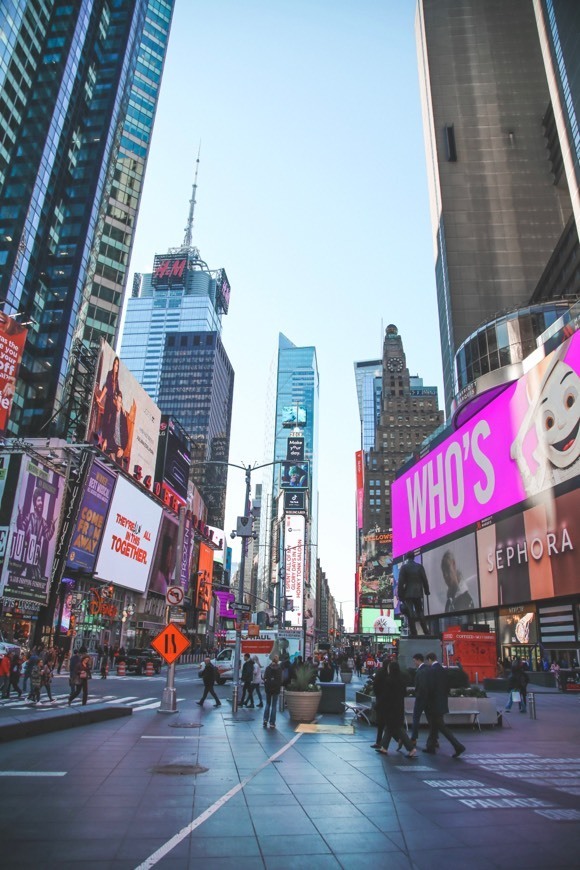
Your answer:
<point x="170" y="269"/>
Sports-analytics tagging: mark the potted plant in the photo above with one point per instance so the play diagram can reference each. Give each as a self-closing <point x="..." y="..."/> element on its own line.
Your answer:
<point x="302" y="697"/>
<point x="345" y="672"/>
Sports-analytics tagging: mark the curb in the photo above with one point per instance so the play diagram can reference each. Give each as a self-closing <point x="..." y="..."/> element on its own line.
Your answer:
<point x="59" y="720"/>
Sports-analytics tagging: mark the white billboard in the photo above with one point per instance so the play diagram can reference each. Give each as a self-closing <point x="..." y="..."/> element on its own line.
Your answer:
<point x="129" y="539"/>
<point x="294" y="553"/>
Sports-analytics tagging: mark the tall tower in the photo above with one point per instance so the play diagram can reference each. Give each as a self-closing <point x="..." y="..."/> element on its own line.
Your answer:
<point x="79" y="89"/>
<point x="497" y="213"/>
<point x="172" y="344"/>
<point x="289" y="514"/>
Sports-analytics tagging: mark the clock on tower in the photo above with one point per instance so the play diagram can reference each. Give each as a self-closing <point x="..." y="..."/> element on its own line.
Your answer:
<point x="395" y="365"/>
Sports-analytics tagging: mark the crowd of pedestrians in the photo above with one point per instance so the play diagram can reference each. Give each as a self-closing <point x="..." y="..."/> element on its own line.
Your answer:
<point x="35" y="670"/>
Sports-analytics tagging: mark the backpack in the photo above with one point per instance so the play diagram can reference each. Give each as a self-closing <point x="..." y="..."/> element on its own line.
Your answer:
<point x="273" y="679"/>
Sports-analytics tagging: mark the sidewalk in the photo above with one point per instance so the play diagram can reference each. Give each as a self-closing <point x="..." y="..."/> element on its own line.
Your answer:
<point x="287" y="799"/>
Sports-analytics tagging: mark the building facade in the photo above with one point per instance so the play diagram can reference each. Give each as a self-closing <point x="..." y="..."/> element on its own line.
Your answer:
<point x="79" y="88"/>
<point x="499" y="207"/>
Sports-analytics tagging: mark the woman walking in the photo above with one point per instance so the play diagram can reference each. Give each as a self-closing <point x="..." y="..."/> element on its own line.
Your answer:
<point x="257" y="679"/>
<point x="392" y="699"/>
<point x="15" y="670"/>
<point x="80" y="680"/>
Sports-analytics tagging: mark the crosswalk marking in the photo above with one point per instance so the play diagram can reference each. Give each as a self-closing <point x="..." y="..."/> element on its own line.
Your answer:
<point x="61" y="700"/>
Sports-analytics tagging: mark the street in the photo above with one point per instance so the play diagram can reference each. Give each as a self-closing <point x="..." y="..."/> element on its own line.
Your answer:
<point x="208" y="786"/>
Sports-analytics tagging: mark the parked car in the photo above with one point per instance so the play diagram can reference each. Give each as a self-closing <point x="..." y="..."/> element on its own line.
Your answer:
<point x="8" y="648"/>
<point x="136" y="660"/>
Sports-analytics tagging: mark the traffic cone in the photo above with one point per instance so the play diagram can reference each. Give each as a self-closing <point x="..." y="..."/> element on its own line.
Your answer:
<point x="149" y="671"/>
<point x="121" y="669"/>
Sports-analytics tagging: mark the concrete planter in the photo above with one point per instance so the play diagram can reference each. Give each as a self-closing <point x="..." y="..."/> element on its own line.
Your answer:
<point x="346" y="676"/>
<point x="302" y="706"/>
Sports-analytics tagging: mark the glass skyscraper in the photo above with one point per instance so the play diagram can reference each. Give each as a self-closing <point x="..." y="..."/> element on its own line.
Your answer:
<point x="294" y="385"/>
<point x="79" y="84"/>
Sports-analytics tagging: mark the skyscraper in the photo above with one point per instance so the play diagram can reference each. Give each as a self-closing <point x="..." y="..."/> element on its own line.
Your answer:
<point x="498" y="211"/>
<point x="172" y="344"/>
<point x="291" y="412"/>
<point x="79" y="88"/>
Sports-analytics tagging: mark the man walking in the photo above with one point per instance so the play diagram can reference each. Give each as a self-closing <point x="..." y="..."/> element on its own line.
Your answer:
<point x="437" y="706"/>
<point x="272" y="685"/>
<point x="421" y="693"/>
<point x="247" y="680"/>
<point x="412" y="584"/>
<point x="208" y="675"/>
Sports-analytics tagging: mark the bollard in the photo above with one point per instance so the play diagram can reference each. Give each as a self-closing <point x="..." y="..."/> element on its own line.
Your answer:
<point x="281" y="701"/>
<point x="532" y="704"/>
<point x="121" y="669"/>
<point x="149" y="670"/>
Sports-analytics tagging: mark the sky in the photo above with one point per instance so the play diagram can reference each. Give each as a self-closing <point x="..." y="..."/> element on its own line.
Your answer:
<point x="312" y="194"/>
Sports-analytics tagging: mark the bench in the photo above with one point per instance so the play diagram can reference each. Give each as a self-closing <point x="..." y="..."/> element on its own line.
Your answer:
<point x="360" y="711"/>
<point x="472" y="714"/>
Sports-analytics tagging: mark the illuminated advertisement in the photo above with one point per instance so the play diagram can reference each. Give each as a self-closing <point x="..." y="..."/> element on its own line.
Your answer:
<point x="360" y="488"/>
<point x="522" y="444"/>
<point x="129" y="539"/>
<point x="518" y="625"/>
<point x="217" y="536"/>
<point x="293" y="415"/>
<point x="169" y="269"/>
<point x="379" y="621"/>
<point x="294" y="475"/>
<point x="163" y="571"/>
<point x="88" y="528"/>
<point x="12" y="341"/>
<point x="204" y="578"/>
<point x="173" y="458"/>
<point x="32" y="540"/>
<point x="376" y="581"/>
<point x="295" y="449"/>
<point x="124" y="421"/>
<point x="294" y="553"/>
<point x="223" y="292"/>
<point x="295" y="501"/>
<point x="226" y="601"/>
<point x="452" y="574"/>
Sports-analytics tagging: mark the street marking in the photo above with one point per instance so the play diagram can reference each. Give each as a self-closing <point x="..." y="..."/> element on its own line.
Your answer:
<point x="181" y="835"/>
<point x="560" y="815"/>
<point x="32" y="773"/>
<point x="171" y="737"/>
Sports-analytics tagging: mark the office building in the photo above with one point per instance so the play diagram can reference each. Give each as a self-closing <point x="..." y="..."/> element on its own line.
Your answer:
<point x="289" y="513"/>
<point x="369" y="390"/>
<point x="79" y="88"/>
<point x="500" y="201"/>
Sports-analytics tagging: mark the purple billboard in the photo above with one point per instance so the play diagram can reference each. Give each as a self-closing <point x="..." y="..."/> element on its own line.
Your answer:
<point x="91" y="518"/>
<point x="523" y="443"/>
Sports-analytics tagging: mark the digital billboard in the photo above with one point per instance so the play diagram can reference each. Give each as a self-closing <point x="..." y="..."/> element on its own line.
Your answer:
<point x="163" y="571"/>
<point x="295" y="501"/>
<point x="226" y="603"/>
<point x="12" y="341"/>
<point x="32" y="539"/>
<point x="293" y="415"/>
<point x="124" y="421"/>
<point x="129" y="538"/>
<point x="90" y="521"/>
<point x="204" y="578"/>
<point x="173" y="458"/>
<point x="376" y="579"/>
<point x="452" y="574"/>
<point x="295" y="449"/>
<point x="523" y="443"/>
<point x="294" y="553"/>
<point x="518" y="625"/>
<point x="294" y="475"/>
<point x="360" y="488"/>
<point x="379" y="621"/>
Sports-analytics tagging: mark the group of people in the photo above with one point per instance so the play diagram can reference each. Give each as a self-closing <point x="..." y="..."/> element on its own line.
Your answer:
<point x="251" y="679"/>
<point x="431" y="699"/>
<point x="36" y="669"/>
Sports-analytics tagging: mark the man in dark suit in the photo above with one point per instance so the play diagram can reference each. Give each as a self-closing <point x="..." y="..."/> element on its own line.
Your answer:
<point x="437" y="706"/>
<point x="421" y="693"/>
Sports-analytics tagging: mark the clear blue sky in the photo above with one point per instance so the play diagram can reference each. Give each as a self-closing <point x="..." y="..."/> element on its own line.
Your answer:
<point x="312" y="194"/>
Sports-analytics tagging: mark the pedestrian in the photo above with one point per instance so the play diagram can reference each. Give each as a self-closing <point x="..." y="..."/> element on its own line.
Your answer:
<point x="378" y="688"/>
<point x="272" y="686"/>
<point x="437" y="706"/>
<point x="80" y="680"/>
<point x="358" y="665"/>
<point x="208" y="675"/>
<point x="73" y="664"/>
<point x="28" y="665"/>
<point x="15" y="671"/>
<point x="5" y="666"/>
<point x="35" y="680"/>
<point x="247" y="699"/>
<point x="104" y="666"/>
<point x="46" y="680"/>
<point x="517" y="686"/>
<point x="336" y="666"/>
<point x="61" y="657"/>
<point x="412" y="584"/>
<point x="421" y="694"/>
<point x="257" y="679"/>
<point x="392" y="691"/>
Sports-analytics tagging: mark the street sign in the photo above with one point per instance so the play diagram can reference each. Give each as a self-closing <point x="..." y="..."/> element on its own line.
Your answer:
<point x="243" y="608"/>
<point x="170" y="643"/>
<point x="174" y="595"/>
<point x="177" y="615"/>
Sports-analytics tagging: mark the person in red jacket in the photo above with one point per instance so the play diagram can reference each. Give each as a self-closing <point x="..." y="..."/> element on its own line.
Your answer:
<point x="5" y="675"/>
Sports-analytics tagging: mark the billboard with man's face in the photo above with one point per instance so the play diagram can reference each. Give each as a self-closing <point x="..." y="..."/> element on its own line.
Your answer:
<point x="124" y="421"/>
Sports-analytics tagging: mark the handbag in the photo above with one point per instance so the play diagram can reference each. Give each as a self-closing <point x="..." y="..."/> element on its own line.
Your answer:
<point x="516" y="697"/>
<point x="83" y="675"/>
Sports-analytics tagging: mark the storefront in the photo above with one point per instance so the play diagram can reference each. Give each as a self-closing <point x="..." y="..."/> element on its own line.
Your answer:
<point x="18" y="620"/>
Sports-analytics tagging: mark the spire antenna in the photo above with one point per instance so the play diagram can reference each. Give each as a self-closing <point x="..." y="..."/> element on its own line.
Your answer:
<point x="189" y="228"/>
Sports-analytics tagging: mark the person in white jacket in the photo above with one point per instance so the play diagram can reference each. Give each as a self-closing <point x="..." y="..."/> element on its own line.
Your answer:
<point x="257" y="679"/>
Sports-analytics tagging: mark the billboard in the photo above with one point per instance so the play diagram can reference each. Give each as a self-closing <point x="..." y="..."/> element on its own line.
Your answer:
<point x="452" y="573"/>
<point x="12" y="341"/>
<point x="90" y="521"/>
<point x="523" y="443"/>
<point x="129" y="538"/>
<point x="226" y="602"/>
<point x="169" y="269"/>
<point x="295" y="449"/>
<point x="217" y="537"/>
<point x="32" y="540"/>
<point x="173" y="458"/>
<point x="223" y="292"/>
<point x="163" y="570"/>
<point x="518" y="625"/>
<point x="295" y="501"/>
<point x="204" y="578"/>
<point x="294" y="475"/>
<point x="293" y="415"/>
<point x="360" y="488"/>
<point x="379" y="621"/>
<point x="376" y="576"/>
<point x="294" y="541"/>
<point x="124" y="421"/>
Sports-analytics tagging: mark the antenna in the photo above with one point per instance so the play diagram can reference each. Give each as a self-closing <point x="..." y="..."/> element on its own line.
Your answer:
<point x="189" y="228"/>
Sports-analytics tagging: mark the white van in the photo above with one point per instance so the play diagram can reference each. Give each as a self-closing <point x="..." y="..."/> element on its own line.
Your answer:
<point x="265" y="645"/>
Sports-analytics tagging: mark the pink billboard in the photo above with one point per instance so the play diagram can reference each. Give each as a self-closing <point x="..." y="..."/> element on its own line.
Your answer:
<point x="523" y="443"/>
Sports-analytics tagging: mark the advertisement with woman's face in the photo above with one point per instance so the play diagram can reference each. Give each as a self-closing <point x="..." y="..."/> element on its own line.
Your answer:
<point x="163" y="571"/>
<point x="452" y="574"/>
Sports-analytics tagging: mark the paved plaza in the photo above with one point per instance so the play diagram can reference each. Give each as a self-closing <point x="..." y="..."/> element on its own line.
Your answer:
<point x="207" y="788"/>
